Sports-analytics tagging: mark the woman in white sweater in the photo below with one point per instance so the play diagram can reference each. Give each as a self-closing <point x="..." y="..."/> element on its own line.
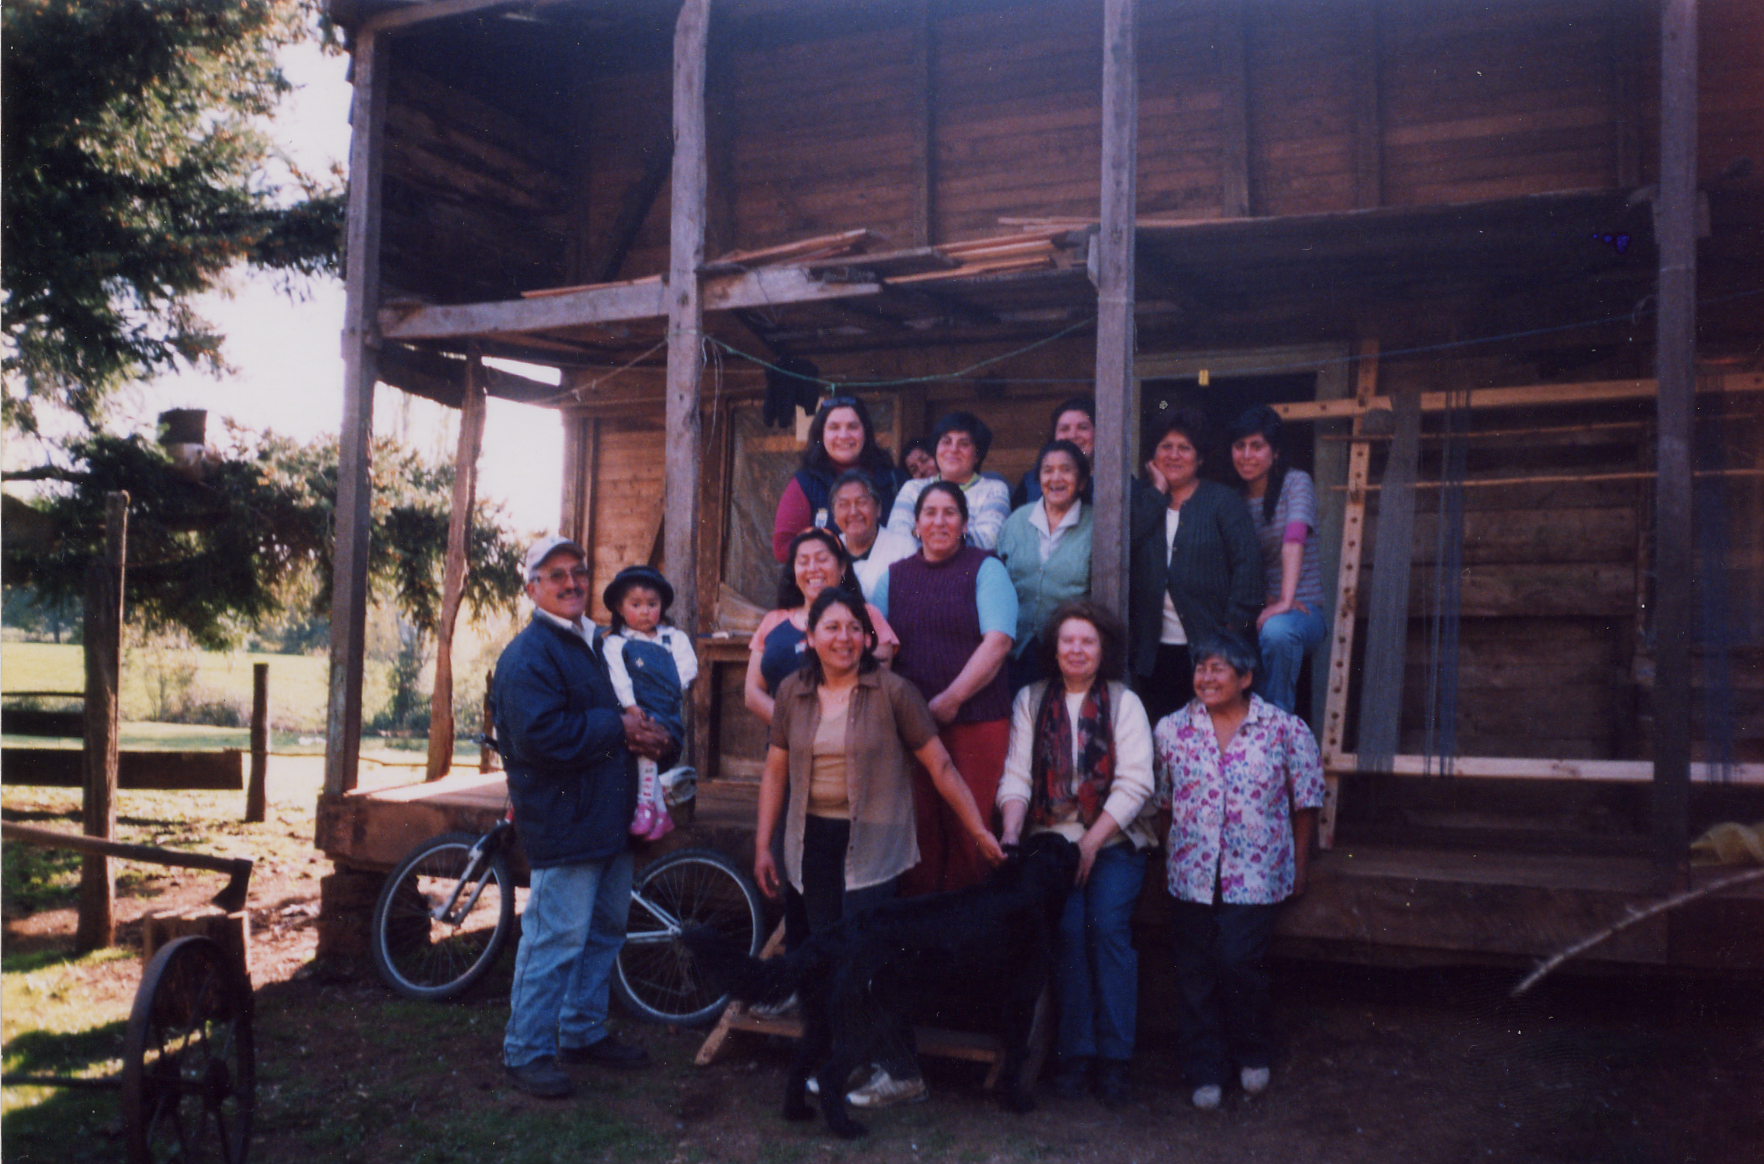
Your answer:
<point x="1080" y="764"/>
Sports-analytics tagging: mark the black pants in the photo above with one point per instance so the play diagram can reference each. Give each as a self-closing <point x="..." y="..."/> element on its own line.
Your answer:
<point x="1222" y="987"/>
<point x="1170" y="685"/>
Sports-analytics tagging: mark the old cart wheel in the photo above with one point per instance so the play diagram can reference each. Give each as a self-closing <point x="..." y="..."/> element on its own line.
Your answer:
<point x="189" y="1078"/>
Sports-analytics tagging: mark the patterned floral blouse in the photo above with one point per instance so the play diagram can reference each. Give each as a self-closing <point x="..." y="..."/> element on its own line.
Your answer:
<point x="1232" y="815"/>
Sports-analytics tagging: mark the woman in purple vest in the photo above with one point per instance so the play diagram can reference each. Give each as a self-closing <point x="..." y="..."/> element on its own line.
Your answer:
<point x="955" y="611"/>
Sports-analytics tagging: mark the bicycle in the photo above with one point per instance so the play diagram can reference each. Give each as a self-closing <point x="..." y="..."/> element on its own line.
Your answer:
<point x="447" y="909"/>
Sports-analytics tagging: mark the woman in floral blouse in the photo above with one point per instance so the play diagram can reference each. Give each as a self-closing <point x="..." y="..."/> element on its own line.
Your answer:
<point x="1243" y="782"/>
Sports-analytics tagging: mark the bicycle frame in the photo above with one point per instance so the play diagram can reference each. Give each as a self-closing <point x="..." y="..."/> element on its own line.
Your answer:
<point x="450" y="910"/>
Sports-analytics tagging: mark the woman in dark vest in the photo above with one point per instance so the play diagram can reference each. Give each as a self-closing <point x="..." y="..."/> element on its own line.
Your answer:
<point x="955" y="611"/>
<point x="840" y="437"/>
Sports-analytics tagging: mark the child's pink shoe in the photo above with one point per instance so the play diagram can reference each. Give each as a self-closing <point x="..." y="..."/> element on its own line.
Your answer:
<point x="643" y="821"/>
<point x="664" y="824"/>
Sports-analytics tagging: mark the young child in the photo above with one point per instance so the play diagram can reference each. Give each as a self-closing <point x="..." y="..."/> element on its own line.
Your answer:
<point x="651" y="662"/>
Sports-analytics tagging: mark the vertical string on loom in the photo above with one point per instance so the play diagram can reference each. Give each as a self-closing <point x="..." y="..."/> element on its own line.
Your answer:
<point x="1448" y="558"/>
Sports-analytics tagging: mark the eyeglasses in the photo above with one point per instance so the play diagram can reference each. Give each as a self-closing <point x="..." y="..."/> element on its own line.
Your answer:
<point x="559" y="577"/>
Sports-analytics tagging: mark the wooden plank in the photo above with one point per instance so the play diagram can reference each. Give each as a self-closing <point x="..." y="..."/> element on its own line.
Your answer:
<point x="1367" y="119"/>
<point x="922" y="114"/>
<point x="98" y="761"/>
<point x="453" y="568"/>
<point x="1675" y="347"/>
<point x="1528" y="395"/>
<point x="1112" y="253"/>
<point x="256" y="794"/>
<point x="1236" y="149"/>
<point x="136" y="771"/>
<point x="1347" y="591"/>
<point x="1530" y="768"/>
<point x="349" y="570"/>
<point x="614" y="303"/>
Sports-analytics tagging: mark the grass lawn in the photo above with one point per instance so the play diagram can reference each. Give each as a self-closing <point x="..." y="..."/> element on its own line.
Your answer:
<point x="298" y="684"/>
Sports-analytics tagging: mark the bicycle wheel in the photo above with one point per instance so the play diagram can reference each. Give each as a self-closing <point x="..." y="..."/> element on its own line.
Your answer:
<point x="439" y="925"/>
<point x="189" y="1078"/>
<point x="655" y="976"/>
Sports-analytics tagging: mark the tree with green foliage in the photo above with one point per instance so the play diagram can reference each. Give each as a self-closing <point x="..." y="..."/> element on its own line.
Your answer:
<point x="135" y="178"/>
<point x="219" y="553"/>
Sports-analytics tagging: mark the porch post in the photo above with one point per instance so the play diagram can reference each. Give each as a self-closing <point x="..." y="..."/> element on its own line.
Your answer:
<point x="349" y="558"/>
<point x="686" y="311"/>
<point x="1116" y="424"/>
<point x="1675" y="228"/>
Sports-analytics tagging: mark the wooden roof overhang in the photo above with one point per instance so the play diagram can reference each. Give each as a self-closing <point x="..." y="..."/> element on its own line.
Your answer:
<point x="1543" y="258"/>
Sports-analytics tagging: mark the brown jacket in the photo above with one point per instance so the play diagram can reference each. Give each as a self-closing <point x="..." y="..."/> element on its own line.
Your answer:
<point x="888" y="721"/>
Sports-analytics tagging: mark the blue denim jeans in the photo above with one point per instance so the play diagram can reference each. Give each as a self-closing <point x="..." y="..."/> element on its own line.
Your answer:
<point x="571" y="932"/>
<point x="1285" y="640"/>
<point x="1096" y="969"/>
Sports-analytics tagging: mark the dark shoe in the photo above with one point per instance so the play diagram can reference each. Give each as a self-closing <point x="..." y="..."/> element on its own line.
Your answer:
<point x="1072" y="1077"/>
<point x="611" y="1051"/>
<point x="1113" y="1082"/>
<point x="541" y="1078"/>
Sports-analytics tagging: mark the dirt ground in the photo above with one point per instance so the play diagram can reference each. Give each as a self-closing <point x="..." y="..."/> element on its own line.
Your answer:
<point x="1371" y="1066"/>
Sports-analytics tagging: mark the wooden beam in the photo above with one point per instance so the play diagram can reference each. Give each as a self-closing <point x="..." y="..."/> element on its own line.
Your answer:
<point x="638" y="299"/>
<point x="222" y="771"/>
<point x="922" y="84"/>
<point x="1675" y="229"/>
<point x="440" y="377"/>
<point x="256" y="790"/>
<point x="1347" y="590"/>
<point x="1234" y="112"/>
<point x="428" y="11"/>
<point x="349" y="569"/>
<point x="1116" y="425"/>
<point x="453" y="571"/>
<point x="684" y="448"/>
<point x="103" y="652"/>
<point x="1521" y="396"/>
<point x="1525" y="768"/>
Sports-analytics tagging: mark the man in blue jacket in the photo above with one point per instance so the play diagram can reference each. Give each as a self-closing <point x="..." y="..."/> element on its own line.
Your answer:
<point x="568" y="749"/>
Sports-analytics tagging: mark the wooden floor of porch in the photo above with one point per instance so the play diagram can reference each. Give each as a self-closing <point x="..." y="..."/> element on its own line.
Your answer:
<point x="1370" y="903"/>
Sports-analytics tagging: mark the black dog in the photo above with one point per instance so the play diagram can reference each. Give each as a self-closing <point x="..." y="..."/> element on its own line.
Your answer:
<point x="859" y="982"/>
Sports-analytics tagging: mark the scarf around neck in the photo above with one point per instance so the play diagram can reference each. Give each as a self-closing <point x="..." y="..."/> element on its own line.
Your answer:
<point x="1059" y="798"/>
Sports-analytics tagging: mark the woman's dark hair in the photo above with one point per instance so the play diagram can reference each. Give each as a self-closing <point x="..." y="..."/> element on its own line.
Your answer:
<point x="972" y="425"/>
<point x="948" y="487"/>
<point x="1264" y="420"/>
<point x="1228" y="647"/>
<point x="1190" y="422"/>
<point x="918" y="444"/>
<point x="1108" y="628"/>
<point x="790" y="595"/>
<point x="1084" y="404"/>
<point x="1071" y="449"/>
<point x="834" y="596"/>
<point x="871" y="457"/>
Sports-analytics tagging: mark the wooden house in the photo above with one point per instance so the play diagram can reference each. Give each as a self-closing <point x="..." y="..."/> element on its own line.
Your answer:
<point x="1500" y="264"/>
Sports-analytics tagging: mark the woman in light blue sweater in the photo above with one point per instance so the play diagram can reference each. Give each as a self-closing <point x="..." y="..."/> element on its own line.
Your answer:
<point x="1045" y="545"/>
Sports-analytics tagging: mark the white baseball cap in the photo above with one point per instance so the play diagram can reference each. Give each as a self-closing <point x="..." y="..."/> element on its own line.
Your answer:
<point x="545" y="547"/>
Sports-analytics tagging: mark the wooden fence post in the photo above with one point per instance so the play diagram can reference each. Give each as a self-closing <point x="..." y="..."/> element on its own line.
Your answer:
<point x="255" y="807"/>
<point x="103" y="635"/>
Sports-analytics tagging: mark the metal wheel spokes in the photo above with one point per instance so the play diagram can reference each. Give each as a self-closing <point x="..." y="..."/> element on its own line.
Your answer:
<point x="189" y="1080"/>
<point x="656" y="972"/>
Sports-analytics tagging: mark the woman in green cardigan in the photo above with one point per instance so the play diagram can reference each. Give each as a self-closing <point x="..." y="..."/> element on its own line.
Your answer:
<point x="1045" y="545"/>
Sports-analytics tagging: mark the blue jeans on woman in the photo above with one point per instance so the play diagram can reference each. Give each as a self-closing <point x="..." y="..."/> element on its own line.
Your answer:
<point x="571" y="932"/>
<point x="1096" y="969"/>
<point x="1285" y="640"/>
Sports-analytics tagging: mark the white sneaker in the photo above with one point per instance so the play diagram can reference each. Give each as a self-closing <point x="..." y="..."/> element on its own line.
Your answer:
<point x="813" y="1086"/>
<point x="1207" y="1098"/>
<point x="789" y="1008"/>
<point x="883" y="1090"/>
<point x="1254" y="1080"/>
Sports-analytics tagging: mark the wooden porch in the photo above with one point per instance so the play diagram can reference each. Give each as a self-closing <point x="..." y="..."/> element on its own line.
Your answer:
<point x="1373" y="901"/>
